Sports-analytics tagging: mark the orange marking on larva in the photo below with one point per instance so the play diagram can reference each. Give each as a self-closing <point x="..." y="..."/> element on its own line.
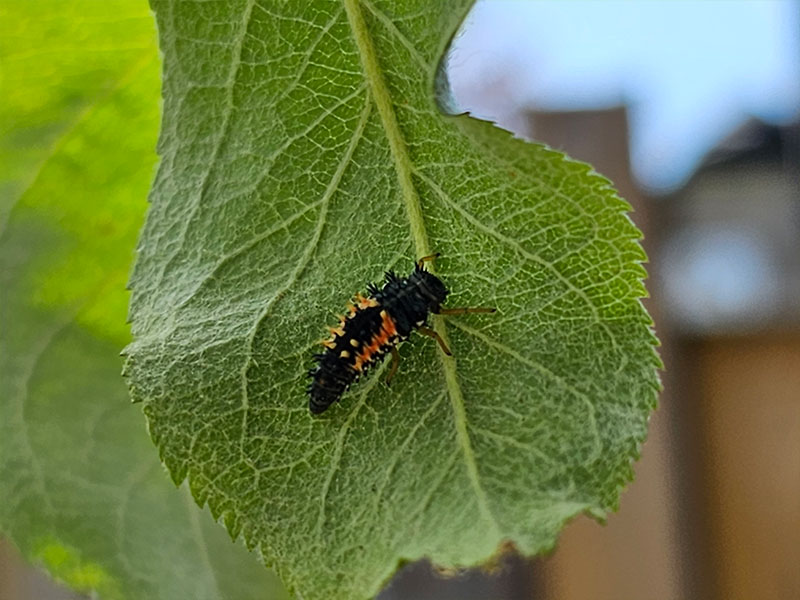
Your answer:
<point x="378" y="342"/>
<point x="387" y="324"/>
<point x="366" y="302"/>
<point x="367" y="354"/>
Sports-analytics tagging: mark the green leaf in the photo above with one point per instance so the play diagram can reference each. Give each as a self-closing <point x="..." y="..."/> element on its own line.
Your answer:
<point x="81" y="491"/>
<point x="303" y="154"/>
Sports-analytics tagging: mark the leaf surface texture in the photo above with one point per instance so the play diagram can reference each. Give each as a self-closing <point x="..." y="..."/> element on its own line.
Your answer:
<point x="302" y="154"/>
<point x="82" y="493"/>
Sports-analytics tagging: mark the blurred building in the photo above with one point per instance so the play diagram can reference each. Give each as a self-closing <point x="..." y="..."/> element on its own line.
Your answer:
<point x="729" y="241"/>
<point x="727" y="261"/>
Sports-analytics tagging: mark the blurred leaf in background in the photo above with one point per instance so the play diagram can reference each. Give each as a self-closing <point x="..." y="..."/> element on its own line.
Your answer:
<point x="81" y="489"/>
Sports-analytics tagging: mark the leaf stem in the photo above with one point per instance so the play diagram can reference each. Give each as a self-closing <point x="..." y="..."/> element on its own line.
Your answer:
<point x="397" y="145"/>
<point x="403" y="165"/>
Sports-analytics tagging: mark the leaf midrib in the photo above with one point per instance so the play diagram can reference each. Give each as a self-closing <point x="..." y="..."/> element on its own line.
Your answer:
<point x="404" y="168"/>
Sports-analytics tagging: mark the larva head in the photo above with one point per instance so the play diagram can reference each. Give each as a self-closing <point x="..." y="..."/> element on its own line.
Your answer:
<point x="430" y="288"/>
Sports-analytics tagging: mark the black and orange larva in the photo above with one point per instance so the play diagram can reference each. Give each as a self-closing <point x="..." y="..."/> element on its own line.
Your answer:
<point x="374" y="327"/>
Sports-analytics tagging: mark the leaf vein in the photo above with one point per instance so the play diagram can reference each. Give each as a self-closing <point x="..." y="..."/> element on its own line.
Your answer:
<point x="560" y="381"/>
<point x="535" y="258"/>
<point x="225" y="129"/>
<point x="510" y="441"/>
<point x="426" y="500"/>
<point x="404" y="168"/>
<point x="338" y="448"/>
<point x="395" y="458"/>
<point x="301" y="265"/>
<point x="401" y="37"/>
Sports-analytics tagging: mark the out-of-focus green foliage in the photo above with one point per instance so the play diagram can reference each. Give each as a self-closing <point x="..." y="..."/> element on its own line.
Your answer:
<point x="82" y="491"/>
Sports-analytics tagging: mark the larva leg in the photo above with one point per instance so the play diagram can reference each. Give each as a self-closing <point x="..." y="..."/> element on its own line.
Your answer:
<point x="395" y="364"/>
<point x="431" y="333"/>
<point x="425" y="259"/>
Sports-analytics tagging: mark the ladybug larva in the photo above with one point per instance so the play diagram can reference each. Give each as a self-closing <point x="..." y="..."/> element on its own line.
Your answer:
<point x="374" y="326"/>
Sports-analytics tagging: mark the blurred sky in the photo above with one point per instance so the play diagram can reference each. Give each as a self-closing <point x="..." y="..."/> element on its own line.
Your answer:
<point x="690" y="71"/>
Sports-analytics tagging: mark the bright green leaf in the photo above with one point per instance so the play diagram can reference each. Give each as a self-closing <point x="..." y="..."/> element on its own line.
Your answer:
<point x="303" y="154"/>
<point x="81" y="491"/>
